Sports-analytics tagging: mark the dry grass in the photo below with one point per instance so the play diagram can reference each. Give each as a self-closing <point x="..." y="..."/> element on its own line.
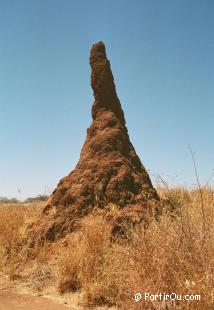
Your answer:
<point x="172" y="255"/>
<point x="14" y="219"/>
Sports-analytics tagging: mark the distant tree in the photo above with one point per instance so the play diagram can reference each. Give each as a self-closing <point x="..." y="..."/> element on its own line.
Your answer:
<point x="38" y="198"/>
<point x="8" y="200"/>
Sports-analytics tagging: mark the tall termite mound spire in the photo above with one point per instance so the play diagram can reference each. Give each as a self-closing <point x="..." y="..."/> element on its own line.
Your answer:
<point x="109" y="170"/>
<point x="102" y="83"/>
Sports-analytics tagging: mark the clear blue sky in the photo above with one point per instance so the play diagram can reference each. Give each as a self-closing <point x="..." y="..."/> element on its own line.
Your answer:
<point x="161" y="54"/>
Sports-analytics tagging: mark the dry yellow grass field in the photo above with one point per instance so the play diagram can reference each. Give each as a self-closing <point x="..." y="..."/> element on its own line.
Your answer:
<point x="175" y="254"/>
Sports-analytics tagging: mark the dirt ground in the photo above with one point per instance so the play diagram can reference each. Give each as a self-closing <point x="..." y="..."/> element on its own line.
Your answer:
<point x="15" y="297"/>
<point x="11" y="300"/>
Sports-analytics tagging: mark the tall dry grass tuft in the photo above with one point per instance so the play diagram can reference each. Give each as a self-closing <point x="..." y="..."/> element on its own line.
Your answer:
<point x="13" y="221"/>
<point x="80" y="262"/>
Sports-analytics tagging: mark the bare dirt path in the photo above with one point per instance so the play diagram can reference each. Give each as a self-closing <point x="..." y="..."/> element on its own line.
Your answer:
<point x="11" y="300"/>
<point x="15" y="297"/>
